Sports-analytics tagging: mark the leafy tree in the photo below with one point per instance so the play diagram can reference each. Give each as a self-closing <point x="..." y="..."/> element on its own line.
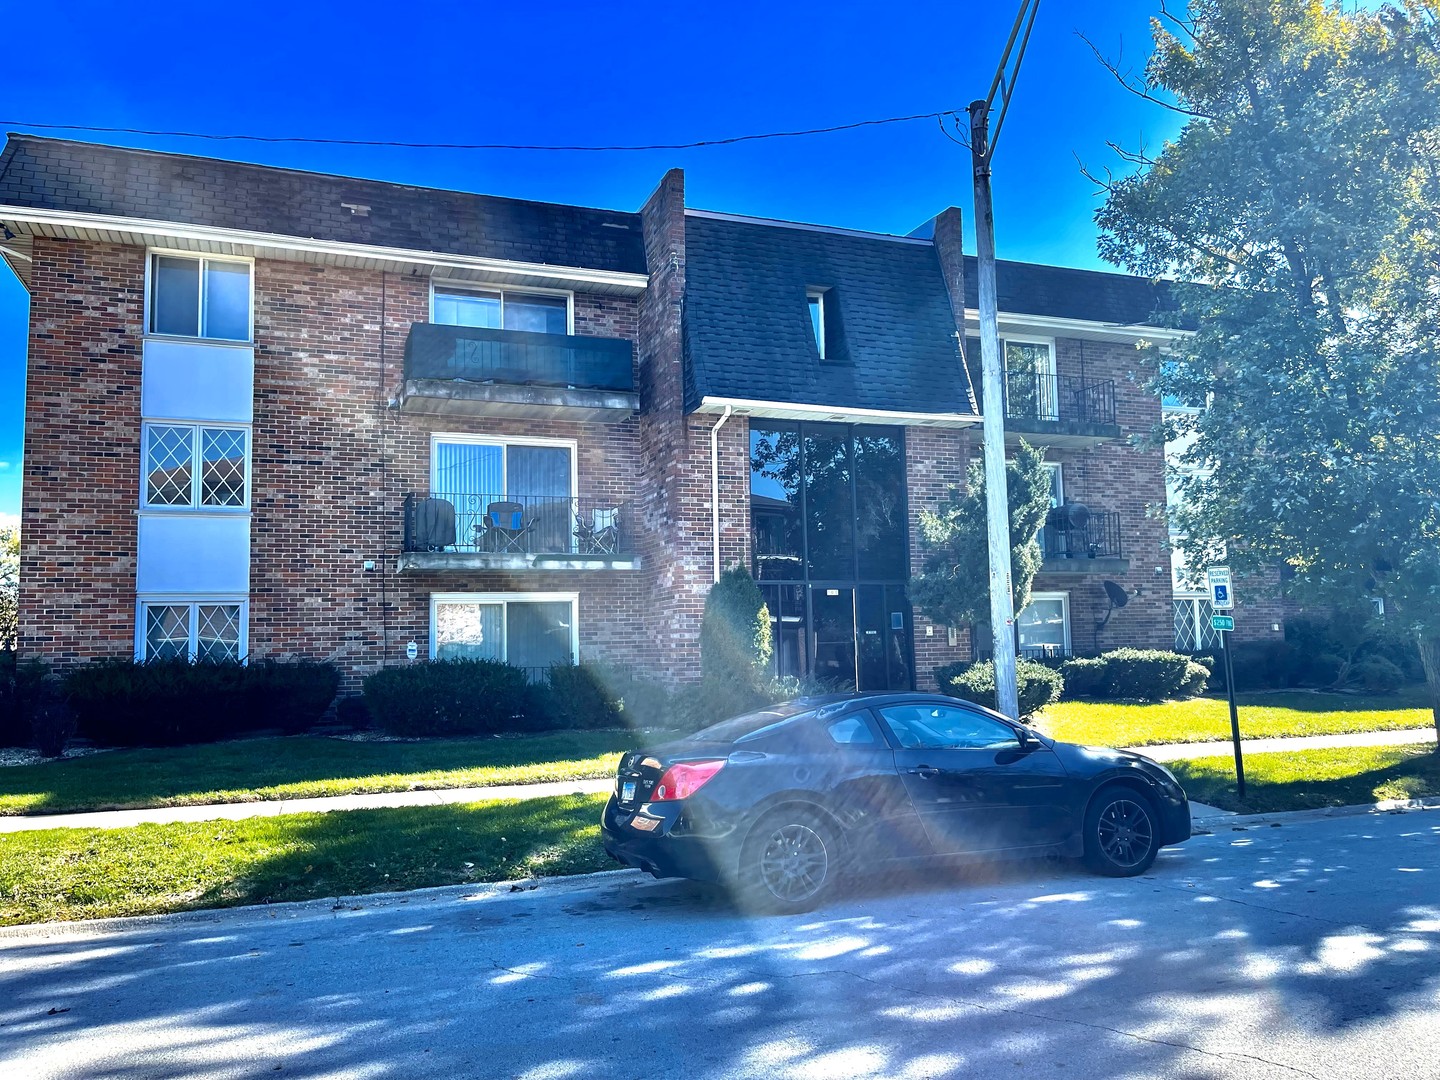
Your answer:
<point x="953" y="587"/>
<point x="1301" y="202"/>
<point x="9" y="586"/>
<point x="735" y="630"/>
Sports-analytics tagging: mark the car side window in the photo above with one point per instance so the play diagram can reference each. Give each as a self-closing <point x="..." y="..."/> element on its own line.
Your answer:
<point x="937" y="727"/>
<point x="852" y="730"/>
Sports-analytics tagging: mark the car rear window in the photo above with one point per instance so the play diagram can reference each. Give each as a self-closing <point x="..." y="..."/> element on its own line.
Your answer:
<point x="752" y="724"/>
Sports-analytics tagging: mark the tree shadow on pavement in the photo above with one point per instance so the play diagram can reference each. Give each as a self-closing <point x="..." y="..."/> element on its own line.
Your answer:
<point x="1251" y="952"/>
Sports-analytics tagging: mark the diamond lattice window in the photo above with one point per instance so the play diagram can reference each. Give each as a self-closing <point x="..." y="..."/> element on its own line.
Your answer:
<point x="168" y="460"/>
<point x="167" y="631"/>
<point x="222" y="467"/>
<point x="217" y="632"/>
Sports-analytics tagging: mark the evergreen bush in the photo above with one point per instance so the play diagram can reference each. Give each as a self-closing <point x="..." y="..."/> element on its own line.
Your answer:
<point x="454" y="697"/>
<point x="1037" y="685"/>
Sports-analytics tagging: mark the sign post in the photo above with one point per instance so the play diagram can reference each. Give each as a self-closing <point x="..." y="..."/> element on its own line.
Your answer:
<point x="1222" y="598"/>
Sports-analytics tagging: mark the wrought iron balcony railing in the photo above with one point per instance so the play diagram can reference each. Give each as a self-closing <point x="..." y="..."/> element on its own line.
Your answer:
<point x="478" y="354"/>
<point x="507" y="524"/>
<point x="1074" y="531"/>
<point x="1052" y="398"/>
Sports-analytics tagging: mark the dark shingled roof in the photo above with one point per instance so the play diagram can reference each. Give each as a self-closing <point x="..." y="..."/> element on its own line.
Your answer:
<point x="747" y="324"/>
<point x="56" y="174"/>
<point x="1060" y="292"/>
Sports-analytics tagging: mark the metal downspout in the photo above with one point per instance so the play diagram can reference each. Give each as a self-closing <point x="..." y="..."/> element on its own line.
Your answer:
<point x="715" y="484"/>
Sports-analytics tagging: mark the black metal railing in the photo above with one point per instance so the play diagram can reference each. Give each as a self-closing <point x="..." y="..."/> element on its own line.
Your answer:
<point x="1094" y="534"/>
<point x="477" y="354"/>
<point x="1031" y="395"/>
<point x="515" y="524"/>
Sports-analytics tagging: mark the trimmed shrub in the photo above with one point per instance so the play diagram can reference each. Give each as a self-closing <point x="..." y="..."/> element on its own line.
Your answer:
<point x="291" y="695"/>
<point x="581" y="696"/>
<point x="453" y="697"/>
<point x="1267" y="665"/>
<point x="1197" y="679"/>
<point x="1377" y="674"/>
<point x="352" y="712"/>
<point x="1036" y="685"/>
<point x="20" y="692"/>
<point x="120" y="702"/>
<point x="1085" y="676"/>
<point x="1135" y="674"/>
<point x="735" y="629"/>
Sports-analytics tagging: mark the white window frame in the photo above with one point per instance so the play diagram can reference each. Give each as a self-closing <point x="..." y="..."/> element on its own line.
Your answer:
<point x="176" y="253"/>
<point x="820" y="334"/>
<point x="1064" y="598"/>
<point x="450" y="285"/>
<point x="194" y="602"/>
<point x="1057" y="485"/>
<point x="196" y="467"/>
<point x="504" y="441"/>
<point x="505" y="599"/>
<point x="1052" y="388"/>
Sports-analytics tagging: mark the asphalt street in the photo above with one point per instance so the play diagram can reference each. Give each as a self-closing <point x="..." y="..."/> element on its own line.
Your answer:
<point x="1303" y="949"/>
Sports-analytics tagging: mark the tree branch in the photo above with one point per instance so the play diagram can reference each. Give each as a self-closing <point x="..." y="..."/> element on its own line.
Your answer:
<point x="1139" y="87"/>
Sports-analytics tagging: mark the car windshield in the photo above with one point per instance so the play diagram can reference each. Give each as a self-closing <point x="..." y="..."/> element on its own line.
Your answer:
<point x="738" y="727"/>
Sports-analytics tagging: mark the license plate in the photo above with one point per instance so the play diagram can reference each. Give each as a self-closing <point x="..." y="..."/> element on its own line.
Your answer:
<point x="627" y="791"/>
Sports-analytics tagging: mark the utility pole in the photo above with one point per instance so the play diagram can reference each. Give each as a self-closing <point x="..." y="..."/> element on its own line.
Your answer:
<point x="992" y="408"/>
<point x="992" y="396"/>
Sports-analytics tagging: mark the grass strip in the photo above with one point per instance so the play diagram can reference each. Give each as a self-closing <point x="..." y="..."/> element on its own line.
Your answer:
<point x="1313" y="779"/>
<point x="1262" y="716"/>
<point x="156" y="869"/>
<point x="251" y="770"/>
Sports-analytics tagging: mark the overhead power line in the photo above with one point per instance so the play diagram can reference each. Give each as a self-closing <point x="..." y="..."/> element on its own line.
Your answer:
<point x="483" y="146"/>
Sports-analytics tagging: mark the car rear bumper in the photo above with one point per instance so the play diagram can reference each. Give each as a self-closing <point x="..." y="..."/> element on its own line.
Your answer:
<point x="663" y="843"/>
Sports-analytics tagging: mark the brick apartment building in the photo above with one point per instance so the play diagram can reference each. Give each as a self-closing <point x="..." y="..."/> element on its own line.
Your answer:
<point x="278" y="413"/>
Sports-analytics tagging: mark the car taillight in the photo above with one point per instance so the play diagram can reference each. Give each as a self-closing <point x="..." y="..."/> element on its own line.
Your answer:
<point x="682" y="781"/>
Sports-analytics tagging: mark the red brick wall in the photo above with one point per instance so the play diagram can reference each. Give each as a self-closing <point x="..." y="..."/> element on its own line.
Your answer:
<point x="332" y="464"/>
<point x="935" y="460"/>
<point x="82" y="451"/>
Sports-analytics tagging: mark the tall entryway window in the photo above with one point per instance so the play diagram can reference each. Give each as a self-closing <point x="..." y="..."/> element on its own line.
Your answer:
<point x="831" y="550"/>
<point x="527" y="481"/>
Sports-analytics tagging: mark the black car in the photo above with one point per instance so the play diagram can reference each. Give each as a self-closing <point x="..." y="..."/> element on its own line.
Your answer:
<point x="777" y="804"/>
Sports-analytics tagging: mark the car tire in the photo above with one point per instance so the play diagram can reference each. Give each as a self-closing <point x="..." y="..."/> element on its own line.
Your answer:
<point x="790" y="862"/>
<point x="1122" y="832"/>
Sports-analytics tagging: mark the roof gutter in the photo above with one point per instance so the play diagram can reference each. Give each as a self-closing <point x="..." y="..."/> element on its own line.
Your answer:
<point x="715" y="484"/>
<point x="66" y="219"/>
<point x="839" y="413"/>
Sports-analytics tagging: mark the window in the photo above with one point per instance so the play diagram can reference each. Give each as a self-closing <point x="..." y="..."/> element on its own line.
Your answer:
<point x="1030" y="382"/>
<point x="202" y="631"/>
<point x="193" y="466"/>
<point x="529" y="630"/>
<point x="1057" y="483"/>
<point x="1043" y="628"/>
<point x="539" y="475"/>
<point x="200" y="297"/>
<point x="816" y="300"/>
<point x="851" y="731"/>
<point x="537" y="313"/>
<point x="947" y="727"/>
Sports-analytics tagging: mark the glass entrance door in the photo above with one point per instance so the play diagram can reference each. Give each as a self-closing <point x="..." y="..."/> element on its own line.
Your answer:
<point x="832" y="615"/>
<point x="882" y="638"/>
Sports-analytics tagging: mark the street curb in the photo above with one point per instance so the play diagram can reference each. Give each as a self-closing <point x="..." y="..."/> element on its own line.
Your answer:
<point x="327" y="905"/>
<point x="1293" y="817"/>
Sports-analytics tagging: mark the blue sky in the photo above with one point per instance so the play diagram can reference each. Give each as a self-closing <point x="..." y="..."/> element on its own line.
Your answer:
<point x="587" y="73"/>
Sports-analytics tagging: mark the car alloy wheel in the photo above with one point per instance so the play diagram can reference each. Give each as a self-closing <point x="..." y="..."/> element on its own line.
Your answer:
<point x="1120" y="833"/>
<point x="794" y="864"/>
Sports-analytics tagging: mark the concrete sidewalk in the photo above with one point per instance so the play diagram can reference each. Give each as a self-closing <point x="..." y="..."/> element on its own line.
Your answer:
<point x="120" y="819"/>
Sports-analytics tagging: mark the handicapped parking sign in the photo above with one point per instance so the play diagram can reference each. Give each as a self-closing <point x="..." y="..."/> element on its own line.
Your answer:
<point x="1222" y="597"/>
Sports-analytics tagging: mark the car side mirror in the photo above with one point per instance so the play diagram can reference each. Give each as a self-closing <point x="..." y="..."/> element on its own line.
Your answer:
<point x="1027" y="738"/>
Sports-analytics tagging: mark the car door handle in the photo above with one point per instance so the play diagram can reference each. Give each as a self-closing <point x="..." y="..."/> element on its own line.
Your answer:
<point x="928" y="772"/>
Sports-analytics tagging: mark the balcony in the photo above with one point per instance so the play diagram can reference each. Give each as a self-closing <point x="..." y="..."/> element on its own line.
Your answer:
<point x="469" y="531"/>
<point x="1079" y="540"/>
<point x="1059" y="410"/>
<point x="475" y="371"/>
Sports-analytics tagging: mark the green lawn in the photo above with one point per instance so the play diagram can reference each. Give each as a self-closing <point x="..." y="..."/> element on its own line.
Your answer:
<point x="1208" y="719"/>
<point x="152" y="869"/>
<point x="1313" y="779"/>
<point x="302" y="766"/>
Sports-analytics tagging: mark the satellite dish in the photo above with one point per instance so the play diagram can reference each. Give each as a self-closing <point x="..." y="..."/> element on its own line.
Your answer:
<point x="1118" y="598"/>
